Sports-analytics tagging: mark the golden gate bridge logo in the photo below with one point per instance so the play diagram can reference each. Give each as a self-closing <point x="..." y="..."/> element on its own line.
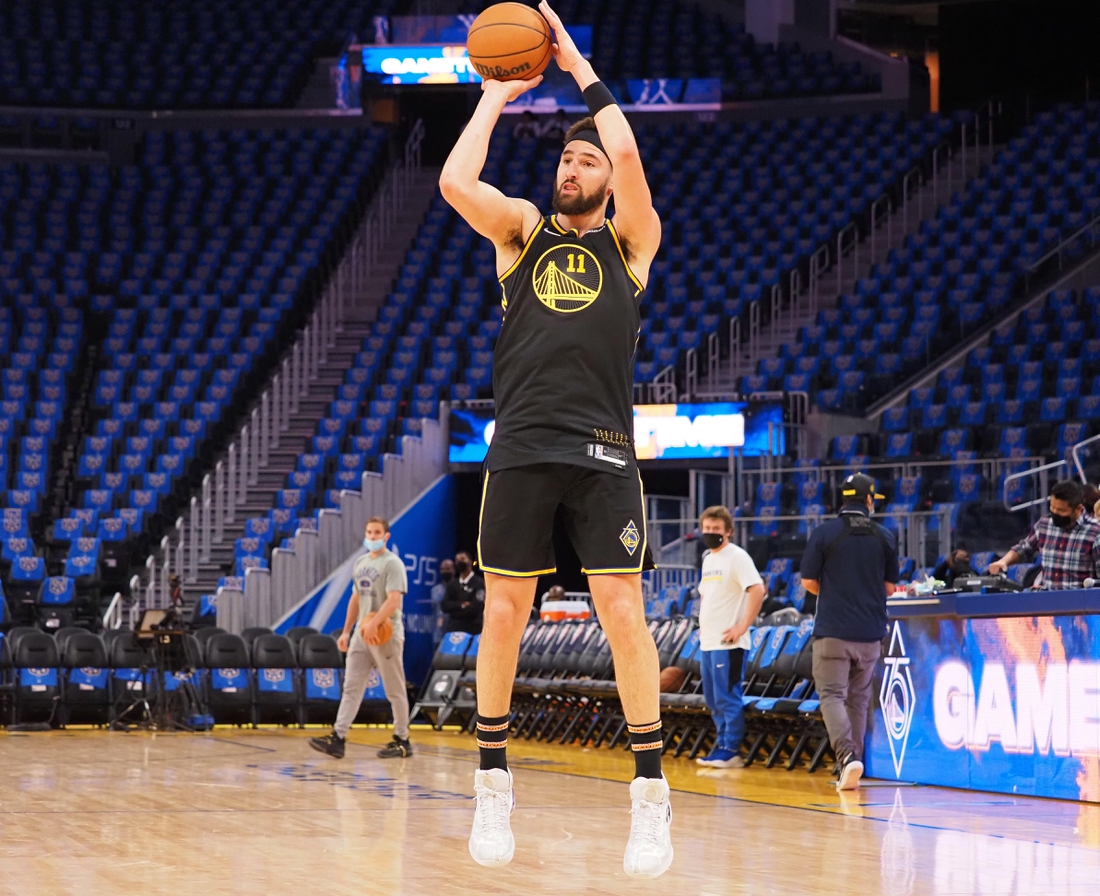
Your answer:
<point x="567" y="278"/>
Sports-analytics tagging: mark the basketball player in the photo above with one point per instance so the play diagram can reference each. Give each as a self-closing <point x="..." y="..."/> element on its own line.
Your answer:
<point x="379" y="585"/>
<point x="563" y="383"/>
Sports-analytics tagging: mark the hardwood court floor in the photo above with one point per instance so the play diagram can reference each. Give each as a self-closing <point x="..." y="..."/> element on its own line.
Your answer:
<point x="258" y="812"/>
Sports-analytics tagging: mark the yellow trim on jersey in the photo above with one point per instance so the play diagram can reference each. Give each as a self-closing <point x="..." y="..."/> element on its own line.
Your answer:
<point x="643" y="545"/>
<point x="516" y="575"/>
<point x="526" y="246"/>
<point x="480" y="514"/>
<point x="622" y="255"/>
<point x="501" y="572"/>
<point x="560" y="229"/>
<point x="637" y="570"/>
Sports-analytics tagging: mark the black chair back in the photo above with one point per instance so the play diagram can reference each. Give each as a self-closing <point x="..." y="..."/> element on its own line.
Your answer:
<point x="83" y="650"/>
<point x="319" y="652"/>
<point x="300" y="631"/>
<point x="226" y="651"/>
<point x="273" y="652"/>
<point x="251" y="634"/>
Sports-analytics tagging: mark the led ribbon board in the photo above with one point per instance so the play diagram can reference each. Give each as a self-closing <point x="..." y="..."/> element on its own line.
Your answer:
<point x="687" y="430"/>
<point x="661" y="431"/>
<point x="419" y="64"/>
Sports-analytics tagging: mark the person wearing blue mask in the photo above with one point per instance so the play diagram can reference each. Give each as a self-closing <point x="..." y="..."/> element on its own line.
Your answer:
<point x="379" y="584"/>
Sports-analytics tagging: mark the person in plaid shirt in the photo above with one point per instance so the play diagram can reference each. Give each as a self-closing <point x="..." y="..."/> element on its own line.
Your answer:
<point x="1067" y="541"/>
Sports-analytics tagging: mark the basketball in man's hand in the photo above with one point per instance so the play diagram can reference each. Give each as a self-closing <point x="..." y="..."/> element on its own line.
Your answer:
<point x="383" y="633"/>
<point x="508" y="42"/>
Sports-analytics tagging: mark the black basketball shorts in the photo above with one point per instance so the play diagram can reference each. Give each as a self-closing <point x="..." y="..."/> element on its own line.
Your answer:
<point x="604" y="516"/>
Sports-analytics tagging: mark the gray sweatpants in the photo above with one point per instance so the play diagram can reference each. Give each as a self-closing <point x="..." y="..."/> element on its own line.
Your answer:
<point x="389" y="660"/>
<point x="842" y="673"/>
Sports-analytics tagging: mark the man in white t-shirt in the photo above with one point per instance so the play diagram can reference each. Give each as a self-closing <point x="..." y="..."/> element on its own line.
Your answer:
<point x="732" y="593"/>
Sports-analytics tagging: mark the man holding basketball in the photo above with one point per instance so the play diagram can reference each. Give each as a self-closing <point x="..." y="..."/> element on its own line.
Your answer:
<point x="563" y="384"/>
<point x="379" y="584"/>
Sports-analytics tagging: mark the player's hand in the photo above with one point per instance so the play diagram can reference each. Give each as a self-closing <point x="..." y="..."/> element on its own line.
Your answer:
<point x="565" y="51"/>
<point x="509" y="90"/>
<point x="733" y="633"/>
<point x="342" y="642"/>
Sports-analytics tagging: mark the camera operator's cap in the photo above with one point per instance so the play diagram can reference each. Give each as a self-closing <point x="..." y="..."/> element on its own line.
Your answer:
<point x="858" y="486"/>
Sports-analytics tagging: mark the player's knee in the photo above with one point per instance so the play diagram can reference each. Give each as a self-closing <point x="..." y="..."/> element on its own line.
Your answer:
<point x="502" y="613"/>
<point x="622" y="614"/>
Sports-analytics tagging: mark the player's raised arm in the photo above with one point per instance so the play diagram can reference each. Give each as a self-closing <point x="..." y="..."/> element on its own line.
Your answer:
<point x="635" y="218"/>
<point x="503" y="220"/>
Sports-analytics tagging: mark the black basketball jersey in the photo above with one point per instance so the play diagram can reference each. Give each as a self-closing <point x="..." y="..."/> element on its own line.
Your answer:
<point x="563" y="371"/>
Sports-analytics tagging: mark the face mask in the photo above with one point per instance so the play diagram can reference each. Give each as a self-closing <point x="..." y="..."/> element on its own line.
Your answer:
<point x="712" y="540"/>
<point x="1062" y="522"/>
<point x="462" y="567"/>
<point x="446" y="576"/>
<point x="374" y="545"/>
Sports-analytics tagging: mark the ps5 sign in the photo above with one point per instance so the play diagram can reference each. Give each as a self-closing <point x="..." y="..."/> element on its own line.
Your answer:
<point x="1008" y="704"/>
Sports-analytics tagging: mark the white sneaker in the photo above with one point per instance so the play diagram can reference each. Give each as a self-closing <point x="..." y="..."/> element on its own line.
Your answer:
<point x="491" y="840"/>
<point x="850" y="775"/>
<point x="649" y="849"/>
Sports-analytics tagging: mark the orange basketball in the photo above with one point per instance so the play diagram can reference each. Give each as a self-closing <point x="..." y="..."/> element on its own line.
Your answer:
<point x="672" y="678"/>
<point x="508" y="42"/>
<point x="384" y="633"/>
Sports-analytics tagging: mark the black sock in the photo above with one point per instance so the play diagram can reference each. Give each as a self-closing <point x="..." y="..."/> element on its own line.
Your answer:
<point x="646" y="742"/>
<point x="492" y="741"/>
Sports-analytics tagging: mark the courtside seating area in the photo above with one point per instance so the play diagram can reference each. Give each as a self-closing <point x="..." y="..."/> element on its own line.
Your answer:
<point x="138" y="306"/>
<point x="960" y="271"/>
<point x="647" y="39"/>
<point x="199" y="54"/>
<point x="76" y="677"/>
<point x="565" y="688"/>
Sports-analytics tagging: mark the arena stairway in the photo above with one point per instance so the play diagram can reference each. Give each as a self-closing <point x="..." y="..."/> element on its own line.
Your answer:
<point x="784" y="330"/>
<point x="322" y="391"/>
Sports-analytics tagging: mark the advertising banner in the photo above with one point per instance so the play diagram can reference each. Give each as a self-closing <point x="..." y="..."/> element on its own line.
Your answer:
<point x="661" y="431"/>
<point x="432" y="50"/>
<point x="1010" y="705"/>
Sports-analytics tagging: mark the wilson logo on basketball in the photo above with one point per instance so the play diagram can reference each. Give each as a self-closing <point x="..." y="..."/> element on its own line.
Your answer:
<point x="499" y="72"/>
<point x="567" y="278"/>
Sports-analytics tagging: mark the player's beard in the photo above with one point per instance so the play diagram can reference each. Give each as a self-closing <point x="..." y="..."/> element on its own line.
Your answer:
<point x="579" y="203"/>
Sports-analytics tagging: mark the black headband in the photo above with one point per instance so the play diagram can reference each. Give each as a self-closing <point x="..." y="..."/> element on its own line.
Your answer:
<point x="589" y="135"/>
